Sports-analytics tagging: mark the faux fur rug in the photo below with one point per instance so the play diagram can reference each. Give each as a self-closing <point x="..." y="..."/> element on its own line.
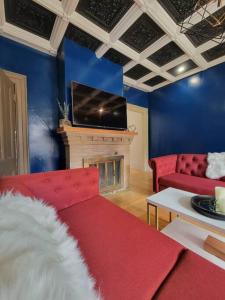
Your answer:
<point x="38" y="260"/>
<point x="216" y="165"/>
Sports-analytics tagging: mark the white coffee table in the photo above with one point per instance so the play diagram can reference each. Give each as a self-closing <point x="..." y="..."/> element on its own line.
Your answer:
<point x="193" y="237"/>
<point x="179" y="202"/>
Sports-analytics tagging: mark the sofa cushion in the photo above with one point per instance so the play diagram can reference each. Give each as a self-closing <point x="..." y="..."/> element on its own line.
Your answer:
<point x="192" y="184"/>
<point x="192" y="164"/>
<point x="193" y="278"/>
<point x="127" y="258"/>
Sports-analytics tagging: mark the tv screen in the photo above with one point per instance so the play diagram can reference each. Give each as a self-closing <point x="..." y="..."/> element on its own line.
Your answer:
<point x="96" y="108"/>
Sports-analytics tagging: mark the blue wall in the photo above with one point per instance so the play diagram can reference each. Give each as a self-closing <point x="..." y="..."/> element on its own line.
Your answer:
<point x="49" y="78"/>
<point x="82" y="65"/>
<point x="42" y="90"/>
<point x="136" y="97"/>
<point x="189" y="115"/>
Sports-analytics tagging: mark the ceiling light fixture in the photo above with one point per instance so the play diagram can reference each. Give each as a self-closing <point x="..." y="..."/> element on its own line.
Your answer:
<point x="216" y="20"/>
<point x="181" y="69"/>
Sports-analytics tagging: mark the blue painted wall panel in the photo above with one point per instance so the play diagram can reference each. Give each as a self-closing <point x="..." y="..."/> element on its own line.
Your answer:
<point x="189" y="116"/>
<point x="41" y="72"/>
<point x="136" y="97"/>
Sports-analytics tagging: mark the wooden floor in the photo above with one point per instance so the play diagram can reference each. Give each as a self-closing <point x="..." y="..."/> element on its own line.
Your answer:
<point x="134" y="199"/>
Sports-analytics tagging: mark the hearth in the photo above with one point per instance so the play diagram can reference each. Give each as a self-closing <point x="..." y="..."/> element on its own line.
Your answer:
<point x="108" y="150"/>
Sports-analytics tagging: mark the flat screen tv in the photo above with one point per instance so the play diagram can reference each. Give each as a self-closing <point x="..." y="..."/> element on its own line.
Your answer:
<point x="96" y="108"/>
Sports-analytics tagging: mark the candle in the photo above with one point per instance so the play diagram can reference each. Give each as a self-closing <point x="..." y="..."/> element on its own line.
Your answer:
<point x="220" y="199"/>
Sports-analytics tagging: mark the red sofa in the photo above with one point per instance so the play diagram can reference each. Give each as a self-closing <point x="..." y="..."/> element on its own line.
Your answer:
<point x="129" y="260"/>
<point x="185" y="172"/>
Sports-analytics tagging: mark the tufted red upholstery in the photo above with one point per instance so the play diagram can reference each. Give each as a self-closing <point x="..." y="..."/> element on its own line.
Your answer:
<point x="193" y="184"/>
<point x="162" y="166"/>
<point x="192" y="164"/>
<point x="183" y="171"/>
<point x="58" y="188"/>
<point x="128" y="259"/>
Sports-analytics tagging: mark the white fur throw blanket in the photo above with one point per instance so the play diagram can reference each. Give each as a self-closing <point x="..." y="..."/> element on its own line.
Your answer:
<point x="216" y="165"/>
<point x="38" y="260"/>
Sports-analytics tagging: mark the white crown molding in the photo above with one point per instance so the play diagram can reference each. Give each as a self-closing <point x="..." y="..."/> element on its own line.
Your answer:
<point x="58" y="32"/>
<point x="27" y="38"/>
<point x="102" y="50"/>
<point x="129" y="66"/>
<point x="164" y="40"/>
<point x="2" y="13"/>
<point x="146" y="77"/>
<point x="175" y="62"/>
<point x="69" y="6"/>
<point x="129" y="18"/>
<point x="160" y="85"/>
<point x="89" y="27"/>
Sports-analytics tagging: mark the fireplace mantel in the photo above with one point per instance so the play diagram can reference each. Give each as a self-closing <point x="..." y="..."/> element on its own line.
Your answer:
<point x="82" y="143"/>
<point x="95" y="131"/>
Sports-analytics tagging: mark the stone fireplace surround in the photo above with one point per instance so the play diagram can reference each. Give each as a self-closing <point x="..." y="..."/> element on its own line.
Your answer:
<point x="83" y="143"/>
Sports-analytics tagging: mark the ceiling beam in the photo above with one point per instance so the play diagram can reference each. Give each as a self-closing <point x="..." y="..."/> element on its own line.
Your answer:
<point x="69" y="6"/>
<point x="27" y="38"/>
<point x="58" y="32"/>
<point x="128" y="19"/>
<point x="2" y="13"/>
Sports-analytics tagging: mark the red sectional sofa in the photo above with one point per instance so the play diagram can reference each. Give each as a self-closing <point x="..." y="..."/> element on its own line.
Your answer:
<point x="129" y="260"/>
<point x="185" y="172"/>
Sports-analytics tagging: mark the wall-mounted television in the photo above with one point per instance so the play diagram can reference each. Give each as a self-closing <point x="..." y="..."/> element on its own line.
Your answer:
<point x="95" y="108"/>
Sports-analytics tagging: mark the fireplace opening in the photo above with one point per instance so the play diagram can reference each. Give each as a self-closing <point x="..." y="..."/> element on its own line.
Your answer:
<point x="111" y="171"/>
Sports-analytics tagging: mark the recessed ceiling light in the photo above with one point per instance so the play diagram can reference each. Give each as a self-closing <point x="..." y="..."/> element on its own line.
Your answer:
<point x="101" y="110"/>
<point x="181" y="69"/>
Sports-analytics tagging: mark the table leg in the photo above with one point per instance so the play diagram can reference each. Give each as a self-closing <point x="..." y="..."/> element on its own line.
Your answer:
<point x="170" y="217"/>
<point x="156" y="218"/>
<point x="148" y="214"/>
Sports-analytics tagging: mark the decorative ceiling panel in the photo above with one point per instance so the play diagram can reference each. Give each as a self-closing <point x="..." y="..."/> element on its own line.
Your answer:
<point x="155" y="80"/>
<point x="166" y="54"/>
<point x="137" y="72"/>
<point x="30" y="16"/>
<point x="116" y="57"/>
<point x="82" y="38"/>
<point x="205" y="31"/>
<point x="142" y="33"/>
<point x="105" y="14"/>
<point x="178" y="10"/>
<point x="183" y="68"/>
<point x="127" y="32"/>
<point x="214" y="52"/>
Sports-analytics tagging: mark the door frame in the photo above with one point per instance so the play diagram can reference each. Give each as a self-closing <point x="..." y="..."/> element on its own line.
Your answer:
<point x="20" y="82"/>
<point x="144" y="112"/>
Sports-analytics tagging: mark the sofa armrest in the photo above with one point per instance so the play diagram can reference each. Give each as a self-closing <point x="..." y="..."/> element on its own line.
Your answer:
<point x="162" y="166"/>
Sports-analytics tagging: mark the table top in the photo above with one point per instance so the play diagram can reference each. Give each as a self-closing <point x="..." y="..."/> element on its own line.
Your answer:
<point x="193" y="237"/>
<point x="179" y="202"/>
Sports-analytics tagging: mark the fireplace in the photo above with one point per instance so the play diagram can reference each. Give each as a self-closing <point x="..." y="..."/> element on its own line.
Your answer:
<point x="108" y="150"/>
<point x="111" y="171"/>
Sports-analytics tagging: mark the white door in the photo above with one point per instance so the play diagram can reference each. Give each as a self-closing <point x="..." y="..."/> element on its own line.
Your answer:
<point x="137" y="116"/>
<point x="8" y="126"/>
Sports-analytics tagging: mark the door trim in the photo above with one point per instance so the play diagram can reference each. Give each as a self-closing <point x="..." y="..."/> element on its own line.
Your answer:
<point x="144" y="112"/>
<point x="20" y="82"/>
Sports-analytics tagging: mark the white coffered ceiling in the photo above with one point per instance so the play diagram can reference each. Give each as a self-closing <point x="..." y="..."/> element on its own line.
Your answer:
<point x="141" y="35"/>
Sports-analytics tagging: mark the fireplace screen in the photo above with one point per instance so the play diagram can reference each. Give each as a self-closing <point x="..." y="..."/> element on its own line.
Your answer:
<point x="111" y="171"/>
